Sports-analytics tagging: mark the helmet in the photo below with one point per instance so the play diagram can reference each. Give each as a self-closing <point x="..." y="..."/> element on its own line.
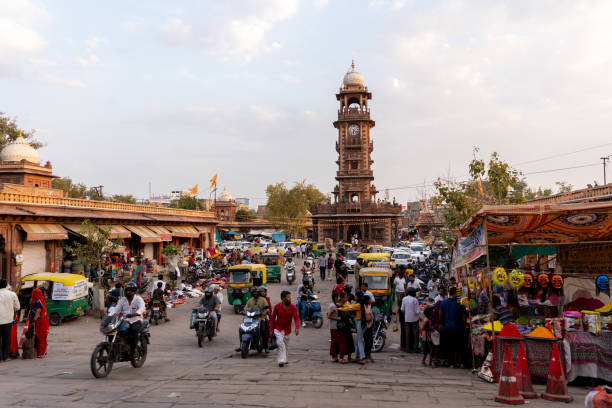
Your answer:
<point x="263" y="288"/>
<point x="131" y="286"/>
<point x="254" y="289"/>
<point x="208" y="289"/>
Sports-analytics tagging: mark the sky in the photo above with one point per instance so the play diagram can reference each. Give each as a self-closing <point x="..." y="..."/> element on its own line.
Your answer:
<point x="127" y="93"/>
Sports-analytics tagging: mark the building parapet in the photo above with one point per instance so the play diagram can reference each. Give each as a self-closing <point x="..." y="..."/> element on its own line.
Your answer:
<point x="355" y="208"/>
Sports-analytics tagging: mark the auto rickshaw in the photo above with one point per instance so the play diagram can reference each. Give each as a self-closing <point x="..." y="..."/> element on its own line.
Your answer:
<point x="299" y="241"/>
<point x="241" y="279"/>
<point x="273" y="262"/>
<point x="374" y="249"/>
<point x="380" y="283"/>
<point x="66" y="294"/>
<point x="375" y="258"/>
<point x="316" y="249"/>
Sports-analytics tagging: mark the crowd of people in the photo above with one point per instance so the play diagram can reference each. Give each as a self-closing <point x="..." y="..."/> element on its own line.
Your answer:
<point x="33" y="341"/>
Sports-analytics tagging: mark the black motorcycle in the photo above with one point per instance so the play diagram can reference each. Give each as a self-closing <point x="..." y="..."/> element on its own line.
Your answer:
<point x="379" y="333"/>
<point x="250" y="332"/>
<point x="116" y="346"/>
<point x="157" y="315"/>
<point x="203" y="325"/>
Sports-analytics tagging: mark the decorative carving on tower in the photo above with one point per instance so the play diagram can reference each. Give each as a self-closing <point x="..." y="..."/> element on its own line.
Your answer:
<point x="354" y="145"/>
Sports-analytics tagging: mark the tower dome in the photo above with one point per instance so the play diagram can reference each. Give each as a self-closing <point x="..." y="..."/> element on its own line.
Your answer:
<point x="19" y="150"/>
<point x="353" y="78"/>
<point x="225" y="196"/>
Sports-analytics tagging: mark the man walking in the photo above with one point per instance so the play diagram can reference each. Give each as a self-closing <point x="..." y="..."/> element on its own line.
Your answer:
<point x="412" y="312"/>
<point x="452" y="315"/>
<point x="322" y="266"/>
<point x="8" y="305"/>
<point x="282" y="315"/>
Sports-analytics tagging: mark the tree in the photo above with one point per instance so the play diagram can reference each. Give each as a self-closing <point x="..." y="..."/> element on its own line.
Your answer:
<point x="245" y="215"/>
<point x="287" y="208"/>
<point x="124" y="198"/>
<point x="96" y="243"/>
<point x="9" y="132"/>
<point x="564" y="187"/>
<point x="188" y="203"/>
<point x="71" y="190"/>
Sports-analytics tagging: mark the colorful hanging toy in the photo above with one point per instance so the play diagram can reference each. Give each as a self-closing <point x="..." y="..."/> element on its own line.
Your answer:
<point x="557" y="281"/>
<point x="500" y="276"/>
<point x="527" y="280"/>
<point x="516" y="279"/>
<point x="471" y="284"/>
<point x="602" y="282"/>
<point x="543" y="280"/>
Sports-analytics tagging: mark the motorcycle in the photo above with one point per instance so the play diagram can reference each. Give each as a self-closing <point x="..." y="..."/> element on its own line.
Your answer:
<point x="378" y="332"/>
<point x="313" y="312"/>
<point x="290" y="274"/>
<point x="116" y="346"/>
<point x="203" y="325"/>
<point x="307" y="276"/>
<point x="156" y="313"/>
<point x="250" y="332"/>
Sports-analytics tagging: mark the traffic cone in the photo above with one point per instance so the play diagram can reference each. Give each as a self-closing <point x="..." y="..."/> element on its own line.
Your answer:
<point x="556" y="388"/>
<point x="523" y="378"/>
<point x="507" y="392"/>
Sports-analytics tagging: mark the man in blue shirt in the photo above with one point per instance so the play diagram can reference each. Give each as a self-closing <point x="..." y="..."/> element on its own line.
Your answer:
<point x="452" y="314"/>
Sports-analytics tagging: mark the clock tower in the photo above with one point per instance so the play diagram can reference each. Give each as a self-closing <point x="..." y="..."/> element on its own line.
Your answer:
<point x="354" y="145"/>
<point x="355" y="215"/>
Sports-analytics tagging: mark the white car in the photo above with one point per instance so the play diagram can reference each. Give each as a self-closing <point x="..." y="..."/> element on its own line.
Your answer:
<point x="417" y="247"/>
<point x="350" y="259"/>
<point x="402" y="258"/>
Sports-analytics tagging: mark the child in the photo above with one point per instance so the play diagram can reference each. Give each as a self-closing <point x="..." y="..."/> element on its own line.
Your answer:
<point x="426" y="337"/>
<point x="29" y="346"/>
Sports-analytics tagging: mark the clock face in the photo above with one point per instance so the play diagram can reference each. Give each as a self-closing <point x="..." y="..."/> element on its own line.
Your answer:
<point x="353" y="130"/>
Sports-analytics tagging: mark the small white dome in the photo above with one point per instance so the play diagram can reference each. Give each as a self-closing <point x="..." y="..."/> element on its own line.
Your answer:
<point x="353" y="78"/>
<point x="19" y="150"/>
<point x="225" y="196"/>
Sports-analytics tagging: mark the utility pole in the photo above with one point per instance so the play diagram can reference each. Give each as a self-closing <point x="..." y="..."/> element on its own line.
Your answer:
<point x="98" y="190"/>
<point x="604" y="160"/>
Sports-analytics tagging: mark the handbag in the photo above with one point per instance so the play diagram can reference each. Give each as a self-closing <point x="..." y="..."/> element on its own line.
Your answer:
<point x="435" y="337"/>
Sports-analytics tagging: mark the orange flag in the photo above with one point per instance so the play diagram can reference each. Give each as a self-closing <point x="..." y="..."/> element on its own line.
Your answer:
<point x="213" y="181"/>
<point x="193" y="191"/>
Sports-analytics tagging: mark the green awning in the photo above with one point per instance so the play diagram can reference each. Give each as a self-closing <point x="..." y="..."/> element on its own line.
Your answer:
<point x="233" y="233"/>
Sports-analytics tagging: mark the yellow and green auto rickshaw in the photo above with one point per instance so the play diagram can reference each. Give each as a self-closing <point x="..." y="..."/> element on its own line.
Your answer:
<point x="379" y="280"/>
<point x="241" y="279"/>
<point x="66" y="294"/>
<point x="316" y="249"/>
<point x="371" y="259"/>
<point x="273" y="262"/>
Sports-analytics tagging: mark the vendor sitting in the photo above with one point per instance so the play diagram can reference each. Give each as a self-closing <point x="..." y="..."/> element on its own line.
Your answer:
<point x="501" y="313"/>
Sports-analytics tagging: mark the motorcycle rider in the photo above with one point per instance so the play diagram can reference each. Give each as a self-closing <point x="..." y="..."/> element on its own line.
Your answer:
<point x="290" y="264"/>
<point x="160" y="279"/>
<point x="210" y="303"/>
<point x="158" y="294"/>
<point x="133" y="308"/>
<point x="304" y="292"/>
<point x="219" y="294"/>
<point x="260" y="303"/>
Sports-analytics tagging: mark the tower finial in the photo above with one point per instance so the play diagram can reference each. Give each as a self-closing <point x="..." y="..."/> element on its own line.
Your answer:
<point x="353" y="64"/>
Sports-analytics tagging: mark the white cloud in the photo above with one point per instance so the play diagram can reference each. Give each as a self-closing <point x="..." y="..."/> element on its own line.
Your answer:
<point x="175" y="32"/>
<point x="42" y="62"/>
<point x="291" y="79"/>
<point x="133" y="25"/>
<point x="53" y="79"/>
<point x="319" y="4"/>
<point x="90" y="58"/>
<point x="264" y="113"/>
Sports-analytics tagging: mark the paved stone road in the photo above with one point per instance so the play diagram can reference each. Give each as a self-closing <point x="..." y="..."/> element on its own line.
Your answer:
<point x="179" y="374"/>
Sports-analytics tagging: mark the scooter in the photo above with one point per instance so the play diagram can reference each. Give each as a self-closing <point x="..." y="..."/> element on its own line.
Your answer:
<point x="290" y="274"/>
<point x="156" y="313"/>
<point x="250" y="332"/>
<point x="307" y="276"/>
<point x="313" y="312"/>
<point x="378" y="332"/>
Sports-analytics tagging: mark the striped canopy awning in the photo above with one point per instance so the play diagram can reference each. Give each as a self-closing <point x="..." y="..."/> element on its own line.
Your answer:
<point x="145" y="234"/>
<point x="44" y="232"/>
<point x="183" y="231"/>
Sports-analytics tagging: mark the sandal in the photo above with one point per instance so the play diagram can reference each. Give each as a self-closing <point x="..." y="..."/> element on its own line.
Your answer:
<point x="343" y="361"/>
<point x="334" y="360"/>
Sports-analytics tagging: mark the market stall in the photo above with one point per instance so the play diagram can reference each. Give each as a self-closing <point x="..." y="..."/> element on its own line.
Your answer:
<point x="550" y="266"/>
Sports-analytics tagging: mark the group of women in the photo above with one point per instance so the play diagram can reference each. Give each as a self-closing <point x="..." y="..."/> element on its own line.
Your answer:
<point x="37" y="330"/>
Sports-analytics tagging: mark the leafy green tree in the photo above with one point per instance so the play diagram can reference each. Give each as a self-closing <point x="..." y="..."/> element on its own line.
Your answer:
<point x="9" y="131"/>
<point x="124" y="198"/>
<point x="71" y="190"/>
<point x="188" y="203"/>
<point x="287" y="208"/>
<point x="245" y="215"/>
<point x="564" y="187"/>
<point x="95" y="243"/>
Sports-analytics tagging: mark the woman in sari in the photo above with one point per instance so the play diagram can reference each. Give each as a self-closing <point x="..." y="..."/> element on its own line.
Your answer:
<point x="40" y="321"/>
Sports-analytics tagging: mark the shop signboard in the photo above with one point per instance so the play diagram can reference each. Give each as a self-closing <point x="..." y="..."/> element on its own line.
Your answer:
<point x="470" y="248"/>
<point x="165" y="237"/>
<point x="61" y="292"/>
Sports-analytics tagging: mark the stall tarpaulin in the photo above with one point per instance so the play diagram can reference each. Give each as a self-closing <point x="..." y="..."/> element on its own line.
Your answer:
<point x="470" y="248"/>
<point x="183" y="231"/>
<point x="145" y="234"/>
<point x="44" y="232"/>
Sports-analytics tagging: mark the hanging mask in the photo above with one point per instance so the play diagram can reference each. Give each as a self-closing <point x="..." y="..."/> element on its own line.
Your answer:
<point x="500" y="276"/>
<point x="556" y="281"/>
<point x="527" y="280"/>
<point x="543" y="280"/>
<point x="516" y="279"/>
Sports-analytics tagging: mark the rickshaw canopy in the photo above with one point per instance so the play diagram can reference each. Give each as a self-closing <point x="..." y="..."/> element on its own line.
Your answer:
<point x="66" y="286"/>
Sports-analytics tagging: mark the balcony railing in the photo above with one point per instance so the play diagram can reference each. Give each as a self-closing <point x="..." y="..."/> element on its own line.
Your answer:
<point x="9" y="197"/>
<point x="352" y="208"/>
<point x="349" y="173"/>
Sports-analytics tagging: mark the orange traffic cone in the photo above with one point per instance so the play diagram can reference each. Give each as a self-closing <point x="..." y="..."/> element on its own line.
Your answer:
<point x="523" y="378"/>
<point x="556" y="389"/>
<point x="508" y="388"/>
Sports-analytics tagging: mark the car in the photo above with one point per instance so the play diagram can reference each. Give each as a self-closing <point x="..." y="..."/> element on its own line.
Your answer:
<point x="402" y="258"/>
<point x="417" y="247"/>
<point x="350" y="259"/>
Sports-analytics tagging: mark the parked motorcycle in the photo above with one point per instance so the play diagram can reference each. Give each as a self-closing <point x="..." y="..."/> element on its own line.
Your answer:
<point x="156" y="312"/>
<point x="116" y="346"/>
<point x="379" y="333"/>
<point x="203" y="325"/>
<point x="313" y="312"/>
<point x="250" y="332"/>
<point x="290" y="274"/>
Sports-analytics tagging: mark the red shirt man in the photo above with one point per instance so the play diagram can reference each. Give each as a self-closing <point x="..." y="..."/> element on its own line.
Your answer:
<point x="282" y="315"/>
